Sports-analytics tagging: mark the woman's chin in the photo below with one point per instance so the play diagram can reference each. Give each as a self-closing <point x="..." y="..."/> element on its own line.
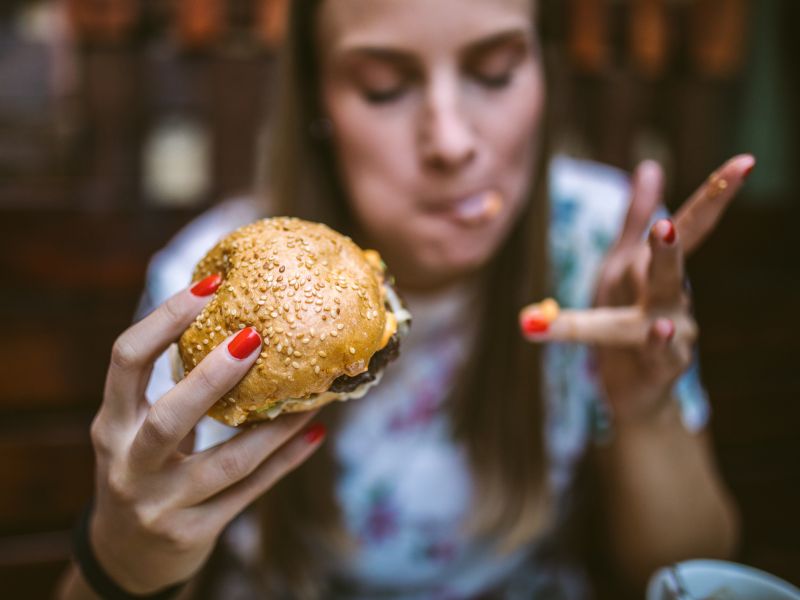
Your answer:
<point x="430" y="272"/>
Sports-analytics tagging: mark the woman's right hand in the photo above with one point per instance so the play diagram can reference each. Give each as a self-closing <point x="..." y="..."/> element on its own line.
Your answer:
<point x="158" y="510"/>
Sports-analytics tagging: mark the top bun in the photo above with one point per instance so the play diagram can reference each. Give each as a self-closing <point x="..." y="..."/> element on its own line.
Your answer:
<point x="316" y="299"/>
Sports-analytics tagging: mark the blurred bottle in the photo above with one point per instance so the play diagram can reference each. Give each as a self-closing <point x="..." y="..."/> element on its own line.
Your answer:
<point x="177" y="162"/>
<point x="107" y="22"/>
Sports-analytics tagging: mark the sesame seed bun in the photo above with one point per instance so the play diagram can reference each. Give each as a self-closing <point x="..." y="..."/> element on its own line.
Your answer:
<point x="319" y="302"/>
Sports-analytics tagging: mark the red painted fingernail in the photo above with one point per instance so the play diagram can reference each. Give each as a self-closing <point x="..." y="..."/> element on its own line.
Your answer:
<point x="534" y="322"/>
<point x="244" y="343"/>
<point x="748" y="171"/>
<point x="315" y="433"/>
<point x="666" y="230"/>
<point x="207" y="286"/>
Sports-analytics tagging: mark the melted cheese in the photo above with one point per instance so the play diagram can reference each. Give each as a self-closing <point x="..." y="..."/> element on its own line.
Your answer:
<point x="389" y="330"/>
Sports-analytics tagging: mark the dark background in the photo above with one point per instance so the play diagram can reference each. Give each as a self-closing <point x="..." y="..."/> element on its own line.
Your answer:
<point x="91" y="92"/>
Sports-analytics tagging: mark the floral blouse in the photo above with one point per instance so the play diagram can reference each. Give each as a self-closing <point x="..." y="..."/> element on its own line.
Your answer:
<point x="405" y="486"/>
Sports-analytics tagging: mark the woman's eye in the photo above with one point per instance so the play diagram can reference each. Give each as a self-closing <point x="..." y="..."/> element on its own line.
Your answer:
<point x="384" y="96"/>
<point x="498" y="81"/>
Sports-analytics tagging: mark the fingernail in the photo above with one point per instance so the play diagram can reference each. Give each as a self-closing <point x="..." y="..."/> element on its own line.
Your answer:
<point x="535" y="322"/>
<point x="536" y="318"/>
<point x="748" y="171"/>
<point x="666" y="231"/>
<point x="315" y="433"/>
<point x="244" y="343"/>
<point x="207" y="286"/>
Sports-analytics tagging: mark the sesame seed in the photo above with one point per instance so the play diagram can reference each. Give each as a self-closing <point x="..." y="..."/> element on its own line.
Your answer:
<point x="334" y="333"/>
<point x="339" y="326"/>
<point x="323" y="354"/>
<point x="316" y="369"/>
<point x="297" y="354"/>
<point x="352" y="350"/>
<point x="296" y="364"/>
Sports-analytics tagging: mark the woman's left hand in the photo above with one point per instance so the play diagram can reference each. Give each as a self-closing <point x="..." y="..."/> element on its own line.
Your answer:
<point x="642" y="323"/>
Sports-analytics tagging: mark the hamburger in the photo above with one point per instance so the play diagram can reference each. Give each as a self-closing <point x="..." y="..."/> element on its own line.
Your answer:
<point x="326" y="311"/>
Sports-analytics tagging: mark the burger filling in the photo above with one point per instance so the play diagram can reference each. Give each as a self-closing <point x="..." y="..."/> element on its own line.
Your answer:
<point x="379" y="360"/>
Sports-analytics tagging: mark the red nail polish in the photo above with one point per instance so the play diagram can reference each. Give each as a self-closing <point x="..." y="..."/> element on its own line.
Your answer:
<point x="748" y="171"/>
<point x="315" y="433"/>
<point x="244" y="343"/>
<point x="207" y="286"/>
<point x="668" y="232"/>
<point x="534" y="322"/>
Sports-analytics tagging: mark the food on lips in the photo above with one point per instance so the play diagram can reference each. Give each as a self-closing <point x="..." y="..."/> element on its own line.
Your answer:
<point x="329" y="318"/>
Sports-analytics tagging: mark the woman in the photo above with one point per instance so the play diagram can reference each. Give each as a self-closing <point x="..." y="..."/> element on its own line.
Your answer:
<point x="419" y="128"/>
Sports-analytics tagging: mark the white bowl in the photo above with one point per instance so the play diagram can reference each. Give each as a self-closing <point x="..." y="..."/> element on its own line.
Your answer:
<point x="719" y="580"/>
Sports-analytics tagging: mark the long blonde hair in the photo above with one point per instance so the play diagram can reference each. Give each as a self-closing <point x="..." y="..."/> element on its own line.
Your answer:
<point x="497" y="410"/>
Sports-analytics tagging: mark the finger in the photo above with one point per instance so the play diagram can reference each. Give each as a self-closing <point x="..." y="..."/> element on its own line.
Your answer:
<point x="137" y="347"/>
<point x="700" y="213"/>
<point x="606" y="326"/>
<point x="665" y="271"/>
<point x="220" y="467"/>
<point x="176" y="413"/>
<point x="665" y="352"/>
<point x="223" y="507"/>
<point x="646" y="193"/>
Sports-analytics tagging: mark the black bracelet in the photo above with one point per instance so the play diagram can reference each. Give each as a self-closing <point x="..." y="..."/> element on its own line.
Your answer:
<point x="95" y="575"/>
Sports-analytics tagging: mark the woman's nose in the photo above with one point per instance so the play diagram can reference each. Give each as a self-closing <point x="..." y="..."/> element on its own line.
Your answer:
<point x="448" y="140"/>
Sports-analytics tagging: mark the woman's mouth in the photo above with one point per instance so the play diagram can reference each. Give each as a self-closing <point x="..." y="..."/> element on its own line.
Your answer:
<point x="473" y="210"/>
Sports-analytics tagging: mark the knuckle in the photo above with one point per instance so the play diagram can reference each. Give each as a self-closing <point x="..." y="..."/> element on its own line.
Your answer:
<point x="119" y="487"/>
<point x="233" y="466"/>
<point x="165" y="527"/>
<point x="684" y="359"/>
<point x="159" y="427"/>
<point x="208" y="380"/>
<point x="692" y="331"/>
<point x="123" y="354"/>
<point x="173" y="310"/>
<point x="99" y="436"/>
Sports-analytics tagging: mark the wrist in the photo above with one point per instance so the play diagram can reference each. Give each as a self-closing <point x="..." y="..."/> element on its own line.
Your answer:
<point x="108" y="582"/>
<point x="106" y="555"/>
<point x="663" y="413"/>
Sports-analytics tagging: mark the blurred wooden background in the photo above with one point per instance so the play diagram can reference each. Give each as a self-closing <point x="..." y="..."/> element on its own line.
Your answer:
<point x="122" y="119"/>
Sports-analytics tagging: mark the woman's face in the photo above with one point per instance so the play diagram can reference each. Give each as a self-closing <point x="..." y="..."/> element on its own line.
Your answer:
<point x="435" y="106"/>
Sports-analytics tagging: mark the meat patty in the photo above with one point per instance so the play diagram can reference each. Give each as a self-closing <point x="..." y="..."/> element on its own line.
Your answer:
<point x="379" y="360"/>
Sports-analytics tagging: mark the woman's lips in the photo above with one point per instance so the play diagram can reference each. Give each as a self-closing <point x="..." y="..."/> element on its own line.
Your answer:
<point x="474" y="210"/>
